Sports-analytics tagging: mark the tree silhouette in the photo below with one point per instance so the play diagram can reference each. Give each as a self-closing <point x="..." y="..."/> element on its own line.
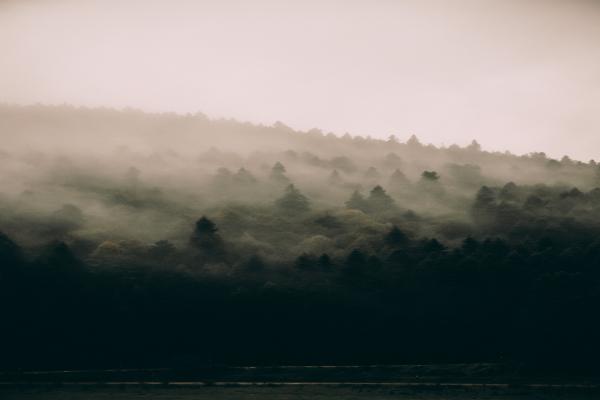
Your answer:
<point x="430" y="176"/>
<point x="292" y="201"/>
<point x="413" y="141"/>
<point x="278" y="174"/>
<point x="324" y="261"/>
<point x="356" y="262"/>
<point x="392" y="160"/>
<point x="379" y="200"/>
<point x="484" y="207"/>
<point x="206" y="239"/>
<point x="474" y="146"/>
<point x="244" y="177"/>
<point x="305" y="262"/>
<point x="357" y="202"/>
<point x="372" y="174"/>
<point x="396" y="238"/>
<point x="398" y="180"/>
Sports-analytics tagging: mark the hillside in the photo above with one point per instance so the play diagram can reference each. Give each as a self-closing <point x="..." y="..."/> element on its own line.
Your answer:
<point x="136" y="239"/>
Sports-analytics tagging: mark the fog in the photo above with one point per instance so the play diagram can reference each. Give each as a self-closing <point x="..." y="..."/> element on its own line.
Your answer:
<point x="89" y="177"/>
<point x="515" y="75"/>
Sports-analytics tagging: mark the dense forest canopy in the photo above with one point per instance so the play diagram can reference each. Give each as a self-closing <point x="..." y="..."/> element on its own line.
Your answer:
<point x="146" y="239"/>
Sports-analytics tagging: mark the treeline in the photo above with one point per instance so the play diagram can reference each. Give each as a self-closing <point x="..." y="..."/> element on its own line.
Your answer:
<point x="409" y="300"/>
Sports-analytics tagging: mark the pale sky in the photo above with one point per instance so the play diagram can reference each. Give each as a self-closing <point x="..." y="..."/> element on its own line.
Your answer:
<point x="519" y="75"/>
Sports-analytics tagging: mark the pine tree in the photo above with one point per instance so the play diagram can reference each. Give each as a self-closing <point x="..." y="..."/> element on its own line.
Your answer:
<point x="357" y="201"/>
<point x="206" y="239"/>
<point x="278" y="174"/>
<point x="398" y="180"/>
<point x="244" y="177"/>
<point x="292" y="200"/>
<point x="396" y="238"/>
<point x="379" y="200"/>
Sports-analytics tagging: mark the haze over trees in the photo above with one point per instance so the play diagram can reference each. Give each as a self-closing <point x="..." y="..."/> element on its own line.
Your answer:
<point x="133" y="239"/>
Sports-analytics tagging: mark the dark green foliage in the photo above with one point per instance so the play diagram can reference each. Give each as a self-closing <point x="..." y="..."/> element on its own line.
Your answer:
<point x="328" y="221"/>
<point x="433" y="246"/>
<point x="305" y="262"/>
<point x="324" y="261"/>
<point x="469" y="245"/>
<point x="430" y="176"/>
<point x="206" y="240"/>
<point x="343" y="164"/>
<point x="244" y="177"/>
<point x="380" y="201"/>
<point x="356" y="262"/>
<point x="278" y="174"/>
<point x="393" y="160"/>
<point x="396" y="238"/>
<point x="292" y="201"/>
<point x="357" y="201"/>
<point x="398" y="180"/>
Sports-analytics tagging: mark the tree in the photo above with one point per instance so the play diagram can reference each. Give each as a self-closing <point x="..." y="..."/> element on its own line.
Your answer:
<point x="392" y="160"/>
<point x="372" y="173"/>
<point x="278" y="174"/>
<point x="222" y="178"/>
<point x="430" y="176"/>
<point x="355" y="262"/>
<point x="304" y="262"/>
<point x="485" y="196"/>
<point x="357" y="202"/>
<point x="379" y="200"/>
<point x="278" y="168"/>
<point x="509" y="192"/>
<point x="58" y="264"/>
<point x="396" y="238"/>
<point x="474" y="146"/>
<point x="533" y="203"/>
<point x="343" y="163"/>
<point x="398" y="180"/>
<point x="293" y="201"/>
<point x="433" y="246"/>
<point x="69" y="217"/>
<point x="206" y="239"/>
<point x="243" y="177"/>
<point x="484" y="207"/>
<point x="413" y="141"/>
<point x="324" y="261"/>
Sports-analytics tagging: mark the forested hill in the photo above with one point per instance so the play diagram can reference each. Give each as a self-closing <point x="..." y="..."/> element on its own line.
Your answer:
<point x="65" y="128"/>
<point x="133" y="239"/>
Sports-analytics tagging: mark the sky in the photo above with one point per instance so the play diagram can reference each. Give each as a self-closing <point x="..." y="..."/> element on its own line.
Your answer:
<point x="518" y="75"/>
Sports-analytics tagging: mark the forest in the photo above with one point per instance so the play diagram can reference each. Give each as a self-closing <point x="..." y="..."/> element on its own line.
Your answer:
<point x="131" y="239"/>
